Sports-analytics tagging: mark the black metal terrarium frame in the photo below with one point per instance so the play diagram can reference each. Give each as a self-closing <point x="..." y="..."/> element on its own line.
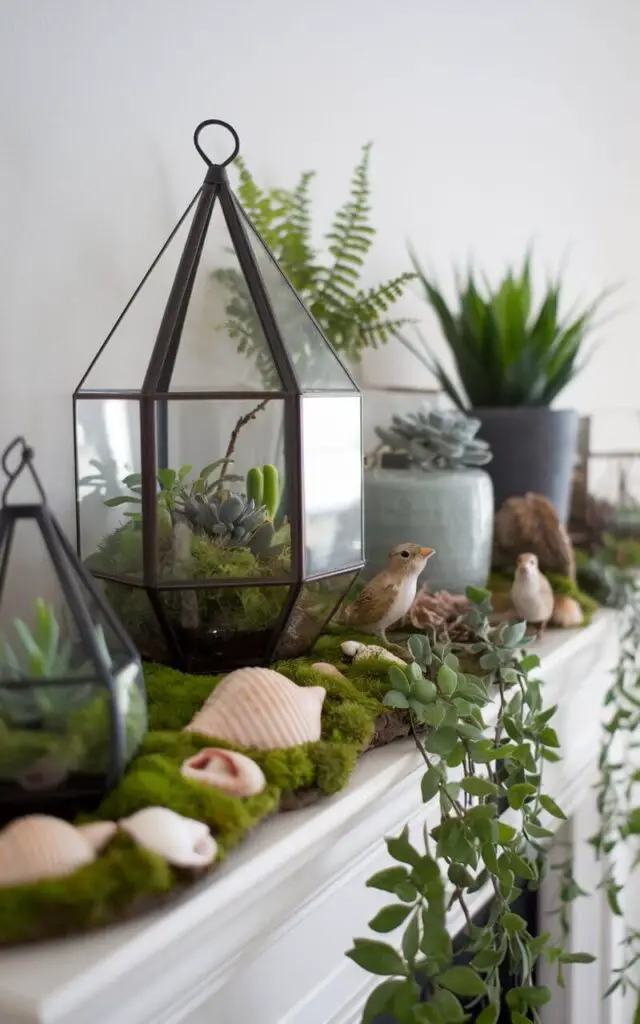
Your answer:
<point x="155" y="394"/>
<point x="86" y="608"/>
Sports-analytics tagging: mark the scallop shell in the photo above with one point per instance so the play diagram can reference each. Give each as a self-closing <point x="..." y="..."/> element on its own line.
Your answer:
<point x="183" y="842"/>
<point x="359" y="651"/>
<point x="38" y="847"/>
<point x="257" y="707"/>
<point x="325" y="668"/>
<point x="227" y="770"/>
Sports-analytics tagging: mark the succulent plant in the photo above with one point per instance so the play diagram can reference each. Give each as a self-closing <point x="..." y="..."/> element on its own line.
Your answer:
<point x="43" y="654"/>
<point x="437" y="440"/>
<point x="230" y="519"/>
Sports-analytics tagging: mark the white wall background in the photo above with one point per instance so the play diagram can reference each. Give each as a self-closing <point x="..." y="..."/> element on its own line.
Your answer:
<point x="495" y="123"/>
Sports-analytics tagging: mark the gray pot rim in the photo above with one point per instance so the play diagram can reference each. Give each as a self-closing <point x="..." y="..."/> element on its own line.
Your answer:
<point x="522" y="410"/>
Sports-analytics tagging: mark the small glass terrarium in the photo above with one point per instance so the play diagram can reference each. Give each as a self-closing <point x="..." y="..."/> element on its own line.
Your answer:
<point x="219" y="452"/>
<point x="72" y="699"/>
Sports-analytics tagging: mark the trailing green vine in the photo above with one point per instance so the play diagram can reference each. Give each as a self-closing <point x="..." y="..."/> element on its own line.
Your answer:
<point x="479" y="723"/>
<point x="617" y="800"/>
<point x="329" y="282"/>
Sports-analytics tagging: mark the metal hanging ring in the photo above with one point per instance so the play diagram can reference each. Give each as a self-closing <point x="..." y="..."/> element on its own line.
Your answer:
<point x="26" y="462"/>
<point x="222" y="124"/>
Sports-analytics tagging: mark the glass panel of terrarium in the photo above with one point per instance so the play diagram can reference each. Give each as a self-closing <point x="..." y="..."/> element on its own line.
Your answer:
<point x="316" y="365"/>
<point x="223" y="505"/>
<point x="108" y="485"/>
<point x="125" y="668"/>
<point x="317" y="602"/>
<point x="123" y="363"/>
<point x="53" y="706"/>
<point x="332" y="459"/>
<point x="221" y="628"/>
<point x="222" y="345"/>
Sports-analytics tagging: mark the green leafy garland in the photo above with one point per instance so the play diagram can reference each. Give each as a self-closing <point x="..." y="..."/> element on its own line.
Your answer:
<point x="351" y="316"/>
<point x="616" y="799"/>
<point x="497" y="763"/>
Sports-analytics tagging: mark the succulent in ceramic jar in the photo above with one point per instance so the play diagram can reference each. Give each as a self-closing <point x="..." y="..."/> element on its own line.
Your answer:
<point x="437" y="440"/>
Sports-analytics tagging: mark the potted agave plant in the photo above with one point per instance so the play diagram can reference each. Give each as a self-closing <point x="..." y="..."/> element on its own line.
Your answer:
<point x="513" y="359"/>
<point x="430" y="487"/>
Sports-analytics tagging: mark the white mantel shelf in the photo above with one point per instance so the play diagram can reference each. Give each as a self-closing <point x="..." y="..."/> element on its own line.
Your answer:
<point x="263" y="940"/>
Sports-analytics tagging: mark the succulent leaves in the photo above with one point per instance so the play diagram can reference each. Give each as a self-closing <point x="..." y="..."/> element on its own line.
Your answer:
<point x="437" y="440"/>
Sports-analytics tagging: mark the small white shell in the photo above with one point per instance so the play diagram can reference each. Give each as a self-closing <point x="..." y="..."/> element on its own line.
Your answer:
<point x="38" y="847"/>
<point x="183" y="842"/>
<point x="260" y="708"/>
<point x="325" y="668"/>
<point x="351" y="648"/>
<point x="227" y="770"/>
<point x="358" y="652"/>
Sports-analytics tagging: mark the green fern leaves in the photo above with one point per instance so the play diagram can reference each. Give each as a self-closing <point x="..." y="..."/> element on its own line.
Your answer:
<point x="351" y="316"/>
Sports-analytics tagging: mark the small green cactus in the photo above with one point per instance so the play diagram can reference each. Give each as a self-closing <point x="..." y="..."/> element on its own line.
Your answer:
<point x="271" y="492"/>
<point x="255" y="486"/>
<point x="437" y="440"/>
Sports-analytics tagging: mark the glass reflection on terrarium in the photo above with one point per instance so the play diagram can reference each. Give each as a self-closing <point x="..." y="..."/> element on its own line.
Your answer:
<point x="317" y="603"/>
<point x="314" y="361"/>
<point x="333" y="481"/>
<point x="108" y="490"/>
<point x="56" y="724"/>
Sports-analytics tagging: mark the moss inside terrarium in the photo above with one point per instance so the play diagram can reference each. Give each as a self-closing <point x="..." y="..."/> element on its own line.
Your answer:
<point x="209" y="618"/>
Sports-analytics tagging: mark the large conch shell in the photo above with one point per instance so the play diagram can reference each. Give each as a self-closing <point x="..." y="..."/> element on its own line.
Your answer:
<point x="183" y="842"/>
<point x="257" y="707"/>
<point x="227" y="770"/>
<point x="39" y="847"/>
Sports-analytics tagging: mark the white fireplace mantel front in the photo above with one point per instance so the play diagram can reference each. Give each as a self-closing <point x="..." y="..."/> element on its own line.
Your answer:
<point x="263" y="940"/>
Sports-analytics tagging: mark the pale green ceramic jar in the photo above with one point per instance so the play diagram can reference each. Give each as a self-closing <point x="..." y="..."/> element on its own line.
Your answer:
<point x="449" y="510"/>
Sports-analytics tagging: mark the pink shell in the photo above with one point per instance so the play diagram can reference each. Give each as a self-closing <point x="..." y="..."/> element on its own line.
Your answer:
<point x="226" y="770"/>
<point x="260" y="708"/>
<point x="38" y="847"/>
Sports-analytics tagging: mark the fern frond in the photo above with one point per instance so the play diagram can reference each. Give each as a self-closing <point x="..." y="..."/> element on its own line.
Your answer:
<point x="351" y="235"/>
<point x="351" y="317"/>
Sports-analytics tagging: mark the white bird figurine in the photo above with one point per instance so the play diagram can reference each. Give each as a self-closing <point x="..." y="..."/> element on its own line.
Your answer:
<point x="531" y="593"/>
<point x="389" y="595"/>
<point x="533" y="599"/>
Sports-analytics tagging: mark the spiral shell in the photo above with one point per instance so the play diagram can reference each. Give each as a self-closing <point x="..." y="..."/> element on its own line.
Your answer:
<point x="357" y="651"/>
<point x="260" y="708"/>
<point x="183" y="842"/>
<point x="39" y="847"/>
<point x="226" y="770"/>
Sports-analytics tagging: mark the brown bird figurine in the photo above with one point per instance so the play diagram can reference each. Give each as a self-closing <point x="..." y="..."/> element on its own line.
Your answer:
<point x="531" y="593"/>
<point x="389" y="595"/>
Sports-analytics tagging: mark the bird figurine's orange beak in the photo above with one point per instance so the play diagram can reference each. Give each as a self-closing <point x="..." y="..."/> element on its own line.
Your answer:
<point x="427" y="552"/>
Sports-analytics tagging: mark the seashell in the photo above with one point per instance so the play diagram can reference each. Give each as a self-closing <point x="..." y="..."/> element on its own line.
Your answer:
<point x="183" y="842"/>
<point x="39" y="847"/>
<point x="226" y="770"/>
<point x="99" y="833"/>
<point x="257" y="707"/>
<point x="325" y="668"/>
<point x="358" y="652"/>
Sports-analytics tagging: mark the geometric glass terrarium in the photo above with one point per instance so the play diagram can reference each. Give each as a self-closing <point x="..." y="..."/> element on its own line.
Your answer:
<point x="72" y="699"/>
<point x="219" y="452"/>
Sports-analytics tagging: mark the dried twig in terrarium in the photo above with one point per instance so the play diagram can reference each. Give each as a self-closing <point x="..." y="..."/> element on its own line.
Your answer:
<point x="242" y="422"/>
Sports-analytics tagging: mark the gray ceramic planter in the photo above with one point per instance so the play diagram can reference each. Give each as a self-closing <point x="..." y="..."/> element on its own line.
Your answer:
<point x="533" y="450"/>
<point x="449" y="510"/>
